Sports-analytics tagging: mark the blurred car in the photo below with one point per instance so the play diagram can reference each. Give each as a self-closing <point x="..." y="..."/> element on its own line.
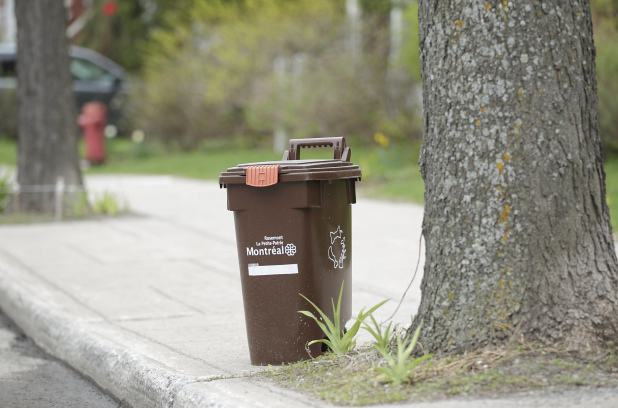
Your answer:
<point x="95" y="78"/>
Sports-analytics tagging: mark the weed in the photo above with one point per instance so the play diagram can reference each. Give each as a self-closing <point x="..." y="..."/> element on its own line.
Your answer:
<point x="103" y="203"/>
<point x="337" y="342"/>
<point x="108" y="203"/>
<point x="80" y="208"/>
<point x="399" y="370"/>
<point x="5" y="190"/>
<point x="383" y="338"/>
<point x="351" y="379"/>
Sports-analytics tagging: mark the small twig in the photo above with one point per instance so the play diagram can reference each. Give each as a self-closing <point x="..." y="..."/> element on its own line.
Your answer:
<point x="418" y="262"/>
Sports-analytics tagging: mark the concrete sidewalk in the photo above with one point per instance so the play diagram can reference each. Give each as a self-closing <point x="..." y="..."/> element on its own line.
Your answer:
<point x="149" y="305"/>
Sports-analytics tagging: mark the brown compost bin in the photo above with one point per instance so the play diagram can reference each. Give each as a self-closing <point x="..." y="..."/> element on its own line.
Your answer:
<point x="294" y="235"/>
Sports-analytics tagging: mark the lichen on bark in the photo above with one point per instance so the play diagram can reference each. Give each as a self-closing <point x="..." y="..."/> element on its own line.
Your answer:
<point x="518" y="240"/>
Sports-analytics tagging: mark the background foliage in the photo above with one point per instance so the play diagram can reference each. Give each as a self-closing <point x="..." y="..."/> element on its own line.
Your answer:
<point x="245" y="69"/>
<point x="122" y="36"/>
<point x="606" y="41"/>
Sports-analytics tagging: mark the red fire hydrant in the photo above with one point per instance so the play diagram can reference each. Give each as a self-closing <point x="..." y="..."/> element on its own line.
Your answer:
<point x="92" y="122"/>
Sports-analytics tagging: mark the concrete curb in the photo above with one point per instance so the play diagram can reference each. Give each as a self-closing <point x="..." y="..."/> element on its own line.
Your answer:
<point x="92" y="348"/>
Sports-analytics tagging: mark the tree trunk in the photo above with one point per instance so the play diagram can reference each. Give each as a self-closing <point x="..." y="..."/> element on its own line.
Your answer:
<point x="517" y="230"/>
<point x="47" y="127"/>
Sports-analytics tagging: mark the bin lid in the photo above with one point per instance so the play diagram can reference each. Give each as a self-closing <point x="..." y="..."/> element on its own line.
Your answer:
<point x="263" y="174"/>
<point x="291" y="168"/>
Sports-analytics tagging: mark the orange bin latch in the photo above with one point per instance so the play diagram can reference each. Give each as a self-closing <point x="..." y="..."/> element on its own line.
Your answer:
<point x="262" y="176"/>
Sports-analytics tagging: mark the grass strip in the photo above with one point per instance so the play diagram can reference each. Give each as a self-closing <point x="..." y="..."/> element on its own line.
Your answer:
<point x="351" y="379"/>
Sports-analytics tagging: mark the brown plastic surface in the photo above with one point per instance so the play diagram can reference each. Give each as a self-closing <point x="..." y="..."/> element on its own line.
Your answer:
<point x="338" y="144"/>
<point x="302" y="217"/>
<point x="292" y="237"/>
<point x="262" y="176"/>
<point x="297" y="170"/>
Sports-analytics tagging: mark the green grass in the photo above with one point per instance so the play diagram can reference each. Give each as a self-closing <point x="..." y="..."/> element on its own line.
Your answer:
<point x="125" y="157"/>
<point x="8" y="152"/>
<point x="351" y="379"/>
<point x="199" y="165"/>
<point x="388" y="173"/>
<point x="391" y="173"/>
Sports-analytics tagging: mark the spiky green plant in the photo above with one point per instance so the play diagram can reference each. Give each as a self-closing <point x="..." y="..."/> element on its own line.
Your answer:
<point x="80" y="207"/>
<point x="109" y="203"/>
<point x="399" y="369"/>
<point x="6" y="186"/>
<point x="383" y="337"/>
<point x="338" y="341"/>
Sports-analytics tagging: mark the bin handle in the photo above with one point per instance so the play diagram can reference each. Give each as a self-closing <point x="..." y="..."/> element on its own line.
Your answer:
<point x="340" y="150"/>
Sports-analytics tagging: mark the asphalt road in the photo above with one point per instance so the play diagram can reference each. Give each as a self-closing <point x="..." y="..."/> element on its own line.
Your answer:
<point x="29" y="378"/>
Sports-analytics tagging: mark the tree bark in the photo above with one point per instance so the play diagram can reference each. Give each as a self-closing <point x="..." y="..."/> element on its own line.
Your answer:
<point x="47" y="127"/>
<point x="517" y="229"/>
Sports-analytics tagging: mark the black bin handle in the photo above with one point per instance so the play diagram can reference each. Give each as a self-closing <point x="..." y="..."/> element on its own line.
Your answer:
<point x="340" y="150"/>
